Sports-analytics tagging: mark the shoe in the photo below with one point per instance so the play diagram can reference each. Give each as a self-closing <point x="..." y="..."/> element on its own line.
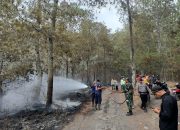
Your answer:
<point x="132" y="107"/>
<point x="96" y="107"/>
<point x="145" y="109"/>
<point x="142" y="108"/>
<point x="129" y="113"/>
<point x="99" y="106"/>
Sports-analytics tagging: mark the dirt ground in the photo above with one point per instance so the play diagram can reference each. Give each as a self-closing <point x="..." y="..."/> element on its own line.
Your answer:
<point x="112" y="116"/>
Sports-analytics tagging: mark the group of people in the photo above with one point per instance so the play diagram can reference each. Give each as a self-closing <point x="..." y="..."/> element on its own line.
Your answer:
<point x="168" y="111"/>
<point x="145" y="85"/>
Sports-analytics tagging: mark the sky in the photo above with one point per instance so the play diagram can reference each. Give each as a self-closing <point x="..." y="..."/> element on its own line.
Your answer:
<point x="109" y="17"/>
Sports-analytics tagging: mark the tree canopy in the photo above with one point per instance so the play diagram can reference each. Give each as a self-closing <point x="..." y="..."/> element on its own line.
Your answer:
<point x="83" y="48"/>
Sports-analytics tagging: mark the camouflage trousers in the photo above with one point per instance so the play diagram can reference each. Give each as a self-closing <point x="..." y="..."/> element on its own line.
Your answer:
<point x="129" y="100"/>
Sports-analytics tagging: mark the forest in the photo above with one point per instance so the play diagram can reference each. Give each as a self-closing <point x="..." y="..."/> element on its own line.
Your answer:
<point x="58" y="37"/>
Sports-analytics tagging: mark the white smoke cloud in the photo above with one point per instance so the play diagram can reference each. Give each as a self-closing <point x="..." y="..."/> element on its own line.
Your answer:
<point x="21" y="97"/>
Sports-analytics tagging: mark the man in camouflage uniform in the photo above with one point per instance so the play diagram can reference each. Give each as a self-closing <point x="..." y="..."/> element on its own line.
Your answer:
<point x="128" y="90"/>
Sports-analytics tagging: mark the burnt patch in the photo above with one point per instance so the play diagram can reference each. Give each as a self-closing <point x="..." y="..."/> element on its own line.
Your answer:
<point x="42" y="118"/>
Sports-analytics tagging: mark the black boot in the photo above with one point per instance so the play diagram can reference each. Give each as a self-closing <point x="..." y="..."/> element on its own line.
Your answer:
<point x="99" y="106"/>
<point x="95" y="106"/>
<point x="145" y="109"/>
<point x="129" y="113"/>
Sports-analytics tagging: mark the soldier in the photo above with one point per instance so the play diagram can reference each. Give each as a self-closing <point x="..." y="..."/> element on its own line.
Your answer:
<point x="129" y="96"/>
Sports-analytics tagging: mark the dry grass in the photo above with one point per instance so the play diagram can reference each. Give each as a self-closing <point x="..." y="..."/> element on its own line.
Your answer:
<point x="86" y="108"/>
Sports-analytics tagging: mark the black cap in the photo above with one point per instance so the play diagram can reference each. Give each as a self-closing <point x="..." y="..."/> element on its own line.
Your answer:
<point x="156" y="88"/>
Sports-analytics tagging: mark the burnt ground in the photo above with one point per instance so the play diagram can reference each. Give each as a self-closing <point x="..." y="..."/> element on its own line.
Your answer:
<point x="112" y="116"/>
<point x="44" y="119"/>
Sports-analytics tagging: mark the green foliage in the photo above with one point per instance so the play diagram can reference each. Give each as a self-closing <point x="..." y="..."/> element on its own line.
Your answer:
<point x="88" y="46"/>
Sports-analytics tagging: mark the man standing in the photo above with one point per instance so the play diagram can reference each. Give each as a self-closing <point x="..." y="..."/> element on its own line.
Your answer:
<point x="93" y="89"/>
<point x="98" y="95"/>
<point x="129" y="96"/>
<point x="116" y="85"/>
<point x="112" y="84"/>
<point x="143" y="92"/>
<point x="168" y="113"/>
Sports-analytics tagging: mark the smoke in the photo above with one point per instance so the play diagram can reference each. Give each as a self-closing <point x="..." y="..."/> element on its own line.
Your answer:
<point x="21" y="97"/>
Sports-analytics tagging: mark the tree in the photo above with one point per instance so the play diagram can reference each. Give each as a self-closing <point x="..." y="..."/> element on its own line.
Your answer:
<point x="131" y="44"/>
<point x="50" y="51"/>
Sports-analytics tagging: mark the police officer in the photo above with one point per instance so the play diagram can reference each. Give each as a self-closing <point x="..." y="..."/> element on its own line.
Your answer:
<point x="129" y="96"/>
<point x="143" y="92"/>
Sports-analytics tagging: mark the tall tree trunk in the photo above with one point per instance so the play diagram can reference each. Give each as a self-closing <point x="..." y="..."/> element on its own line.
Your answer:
<point x="67" y="67"/>
<point x="104" y="65"/>
<point x="1" y="77"/>
<point x="1" y="80"/>
<point x="158" y="35"/>
<point x="72" y="70"/>
<point x="37" y="88"/>
<point x="133" y="69"/>
<point x="87" y="73"/>
<point x="94" y="76"/>
<point x="158" y="18"/>
<point x="50" y="72"/>
<point x="50" y="56"/>
<point x="39" y="72"/>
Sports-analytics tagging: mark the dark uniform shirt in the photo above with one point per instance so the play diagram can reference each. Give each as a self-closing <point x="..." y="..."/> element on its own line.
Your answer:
<point x="93" y="89"/>
<point x="169" y="113"/>
<point x="98" y="90"/>
<point x="129" y="88"/>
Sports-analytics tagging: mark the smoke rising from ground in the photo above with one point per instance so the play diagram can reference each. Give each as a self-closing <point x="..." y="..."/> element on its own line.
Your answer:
<point x="20" y="96"/>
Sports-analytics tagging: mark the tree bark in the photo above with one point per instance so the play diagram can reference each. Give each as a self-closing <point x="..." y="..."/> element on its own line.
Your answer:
<point x="87" y="73"/>
<point x="131" y="45"/>
<point x="50" y="73"/>
<point x="50" y="56"/>
<point x="104" y="65"/>
<point x="158" y="35"/>
<point x="37" y="88"/>
<point x="73" y="70"/>
<point x="1" y="80"/>
<point x="158" y="17"/>
<point x="39" y="73"/>
<point x="94" y="76"/>
<point x="67" y="67"/>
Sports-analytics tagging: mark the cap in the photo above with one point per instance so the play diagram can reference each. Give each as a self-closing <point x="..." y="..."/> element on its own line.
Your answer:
<point x="156" y="88"/>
